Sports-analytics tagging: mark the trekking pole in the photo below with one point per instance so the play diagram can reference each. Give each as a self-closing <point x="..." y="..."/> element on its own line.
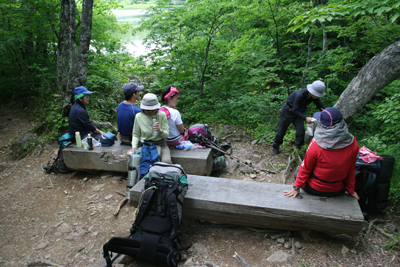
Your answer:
<point x="249" y="164"/>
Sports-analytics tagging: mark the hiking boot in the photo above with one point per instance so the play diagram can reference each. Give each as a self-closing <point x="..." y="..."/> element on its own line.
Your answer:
<point x="275" y="151"/>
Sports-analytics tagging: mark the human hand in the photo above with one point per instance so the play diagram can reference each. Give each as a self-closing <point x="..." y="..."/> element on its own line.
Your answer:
<point x="356" y="195"/>
<point x="156" y="127"/>
<point x="291" y="193"/>
<point x="130" y="151"/>
<point x="308" y="120"/>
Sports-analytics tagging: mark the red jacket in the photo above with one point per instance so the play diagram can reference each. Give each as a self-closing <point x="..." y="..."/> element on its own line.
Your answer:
<point x="329" y="165"/>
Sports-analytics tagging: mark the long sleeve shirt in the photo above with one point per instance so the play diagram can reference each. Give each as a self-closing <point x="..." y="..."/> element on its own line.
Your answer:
<point x="78" y="120"/>
<point x="333" y="166"/>
<point x="126" y="114"/>
<point x="143" y="128"/>
<point x="299" y="100"/>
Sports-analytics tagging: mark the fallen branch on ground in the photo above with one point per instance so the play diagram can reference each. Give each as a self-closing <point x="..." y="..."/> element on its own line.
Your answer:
<point x="121" y="204"/>
<point x="37" y="263"/>
<point x="290" y="160"/>
<point x="241" y="260"/>
<point x="380" y="230"/>
<point x="370" y="226"/>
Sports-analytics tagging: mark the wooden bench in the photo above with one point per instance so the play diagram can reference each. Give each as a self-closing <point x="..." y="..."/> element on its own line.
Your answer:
<point x="114" y="158"/>
<point x="263" y="205"/>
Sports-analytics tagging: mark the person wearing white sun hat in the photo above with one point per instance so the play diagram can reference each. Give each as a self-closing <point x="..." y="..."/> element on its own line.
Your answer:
<point x="144" y="128"/>
<point x="294" y="110"/>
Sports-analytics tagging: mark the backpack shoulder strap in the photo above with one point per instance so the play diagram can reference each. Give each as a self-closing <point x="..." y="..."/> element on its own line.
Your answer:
<point x="143" y="206"/>
<point x="173" y="208"/>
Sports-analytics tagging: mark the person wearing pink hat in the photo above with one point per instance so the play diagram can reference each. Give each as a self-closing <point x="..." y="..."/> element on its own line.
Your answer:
<point x="170" y="98"/>
<point x="329" y="166"/>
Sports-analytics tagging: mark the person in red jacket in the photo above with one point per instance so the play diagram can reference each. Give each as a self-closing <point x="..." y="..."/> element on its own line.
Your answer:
<point x="329" y="166"/>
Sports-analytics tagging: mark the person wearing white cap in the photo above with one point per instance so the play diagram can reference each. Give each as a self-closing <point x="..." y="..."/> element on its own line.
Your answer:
<point x="293" y="111"/>
<point x="144" y="128"/>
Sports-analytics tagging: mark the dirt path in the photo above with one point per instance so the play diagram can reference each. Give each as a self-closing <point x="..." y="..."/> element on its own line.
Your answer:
<point x="67" y="218"/>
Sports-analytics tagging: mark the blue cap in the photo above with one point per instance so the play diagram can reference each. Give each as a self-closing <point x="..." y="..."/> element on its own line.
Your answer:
<point x="329" y="116"/>
<point x="82" y="90"/>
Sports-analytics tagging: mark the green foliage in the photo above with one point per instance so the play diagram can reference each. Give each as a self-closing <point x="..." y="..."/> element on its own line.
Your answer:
<point x="54" y="124"/>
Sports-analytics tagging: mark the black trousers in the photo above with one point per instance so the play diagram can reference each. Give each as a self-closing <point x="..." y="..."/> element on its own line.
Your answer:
<point x="286" y="117"/>
<point x="309" y="190"/>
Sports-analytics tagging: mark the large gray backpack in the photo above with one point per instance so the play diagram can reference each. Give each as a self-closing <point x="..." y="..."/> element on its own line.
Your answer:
<point x="156" y="232"/>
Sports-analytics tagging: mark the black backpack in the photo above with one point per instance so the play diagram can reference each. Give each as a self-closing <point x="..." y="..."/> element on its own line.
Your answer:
<point x="156" y="232"/>
<point x="373" y="184"/>
<point x="58" y="165"/>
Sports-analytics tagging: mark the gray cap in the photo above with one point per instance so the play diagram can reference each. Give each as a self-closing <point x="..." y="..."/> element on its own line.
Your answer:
<point x="149" y="102"/>
<point x="317" y="88"/>
<point x="131" y="88"/>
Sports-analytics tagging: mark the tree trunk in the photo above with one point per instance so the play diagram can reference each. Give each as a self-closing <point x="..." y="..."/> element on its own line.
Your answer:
<point x="72" y="62"/>
<point x="303" y="79"/>
<point x="379" y="72"/>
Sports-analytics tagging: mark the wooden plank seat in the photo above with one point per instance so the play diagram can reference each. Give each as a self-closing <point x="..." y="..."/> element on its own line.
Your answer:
<point x="263" y="205"/>
<point x="114" y="158"/>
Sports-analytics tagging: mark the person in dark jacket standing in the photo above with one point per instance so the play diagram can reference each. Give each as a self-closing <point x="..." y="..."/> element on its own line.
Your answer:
<point x="79" y="118"/>
<point x="293" y="111"/>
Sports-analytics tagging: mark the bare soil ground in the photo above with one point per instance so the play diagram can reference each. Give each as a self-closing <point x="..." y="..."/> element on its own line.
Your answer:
<point x="66" y="218"/>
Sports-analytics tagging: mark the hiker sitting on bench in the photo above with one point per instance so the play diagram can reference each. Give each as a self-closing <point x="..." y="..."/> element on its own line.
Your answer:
<point x="329" y="166"/>
<point x="144" y="129"/>
<point x="79" y="118"/>
<point x="170" y="99"/>
<point x="126" y="112"/>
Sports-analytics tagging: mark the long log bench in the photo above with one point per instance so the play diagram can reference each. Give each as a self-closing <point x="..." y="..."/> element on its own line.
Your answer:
<point x="263" y="205"/>
<point x="114" y="158"/>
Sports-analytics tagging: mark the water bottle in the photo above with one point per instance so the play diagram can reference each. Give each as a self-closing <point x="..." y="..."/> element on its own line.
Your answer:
<point x="78" y="139"/>
<point x="154" y="131"/>
<point x="133" y="172"/>
<point x="89" y="141"/>
<point x="181" y="147"/>
<point x="310" y="127"/>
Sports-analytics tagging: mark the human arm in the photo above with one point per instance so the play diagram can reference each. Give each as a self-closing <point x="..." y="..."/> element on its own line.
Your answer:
<point x="319" y="104"/>
<point x="132" y="150"/>
<point x="81" y="117"/>
<point x="162" y="126"/>
<point x="136" y="132"/>
<point x="99" y="131"/>
<point x="298" y="106"/>
<point x="350" y="179"/>
<point x="181" y="128"/>
<point x="179" y="122"/>
<point x="307" y="165"/>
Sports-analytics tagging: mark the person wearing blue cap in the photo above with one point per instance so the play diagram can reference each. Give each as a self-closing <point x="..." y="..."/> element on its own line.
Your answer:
<point x="294" y="110"/>
<point x="126" y="112"/>
<point x="79" y="118"/>
<point x="329" y="166"/>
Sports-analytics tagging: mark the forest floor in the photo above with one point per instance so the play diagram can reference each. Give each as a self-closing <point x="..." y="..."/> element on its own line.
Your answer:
<point x="66" y="218"/>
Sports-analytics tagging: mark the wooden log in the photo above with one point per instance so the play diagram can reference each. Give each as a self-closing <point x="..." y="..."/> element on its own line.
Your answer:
<point x="115" y="159"/>
<point x="263" y="205"/>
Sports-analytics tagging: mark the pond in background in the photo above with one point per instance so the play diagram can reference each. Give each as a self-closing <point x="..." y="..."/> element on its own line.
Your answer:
<point x="133" y="16"/>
